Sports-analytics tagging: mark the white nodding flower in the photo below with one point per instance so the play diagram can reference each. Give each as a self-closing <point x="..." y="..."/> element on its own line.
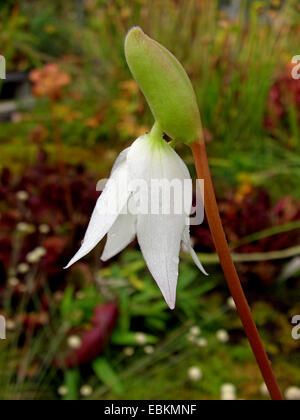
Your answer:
<point x="149" y="161"/>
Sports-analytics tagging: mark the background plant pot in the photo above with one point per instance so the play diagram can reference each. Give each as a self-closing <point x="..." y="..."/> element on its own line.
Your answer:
<point x="15" y="88"/>
<point x="15" y="85"/>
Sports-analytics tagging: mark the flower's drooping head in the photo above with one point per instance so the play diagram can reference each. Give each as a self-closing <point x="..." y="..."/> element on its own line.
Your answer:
<point x="149" y="193"/>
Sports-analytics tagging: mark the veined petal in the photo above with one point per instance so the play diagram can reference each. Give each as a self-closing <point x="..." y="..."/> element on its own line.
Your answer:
<point x="159" y="234"/>
<point x="186" y="239"/>
<point x="120" y="235"/>
<point x="108" y="207"/>
<point x="159" y="240"/>
<point x="146" y="152"/>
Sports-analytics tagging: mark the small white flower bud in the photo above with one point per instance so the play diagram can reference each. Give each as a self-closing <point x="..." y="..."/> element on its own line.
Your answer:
<point x="62" y="391"/>
<point x="264" y="390"/>
<point x="32" y="257"/>
<point x="228" y="397"/>
<point x="23" y="227"/>
<point x="141" y="339"/>
<point x="223" y="336"/>
<point x="36" y="255"/>
<point x="228" y="392"/>
<point x="292" y="393"/>
<point x="231" y="304"/>
<point x="13" y="282"/>
<point x="195" y="331"/>
<point x="201" y="342"/>
<point x="149" y="350"/>
<point x="74" y="342"/>
<point x="228" y="388"/>
<point x="23" y="268"/>
<point x="195" y="374"/>
<point x="10" y="325"/>
<point x="44" y="229"/>
<point x="22" y="195"/>
<point x="40" y="251"/>
<point x="129" y="351"/>
<point x="86" y="390"/>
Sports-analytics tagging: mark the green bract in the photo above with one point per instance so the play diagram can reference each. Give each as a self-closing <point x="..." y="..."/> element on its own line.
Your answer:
<point x="166" y="86"/>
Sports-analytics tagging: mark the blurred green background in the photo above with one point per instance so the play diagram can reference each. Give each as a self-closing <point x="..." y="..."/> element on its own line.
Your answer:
<point x="67" y="108"/>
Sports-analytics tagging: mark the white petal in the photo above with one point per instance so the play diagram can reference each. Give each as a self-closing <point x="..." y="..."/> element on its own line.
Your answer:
<point x="120" y="235"/>
<point x="160" y="244"/>
<point x="187" y="243"/>
<point x="108" y="207"/>
<point x="159" y="235"/>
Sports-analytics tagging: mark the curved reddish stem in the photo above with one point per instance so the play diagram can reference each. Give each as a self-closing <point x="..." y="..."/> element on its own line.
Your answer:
<point x="214" y="220"/>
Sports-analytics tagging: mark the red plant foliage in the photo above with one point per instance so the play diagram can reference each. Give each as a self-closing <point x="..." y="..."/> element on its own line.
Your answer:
<point x="284" y="92"/>
<point x="94" y="340"/>
<point x="253" y="213"/>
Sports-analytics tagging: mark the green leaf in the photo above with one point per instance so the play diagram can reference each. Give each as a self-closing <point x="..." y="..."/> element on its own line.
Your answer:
<point x="66" y="304"/>
<point x="72" y="378"/>
<point x="107" y="375"/>
<point x="129" y="339"/>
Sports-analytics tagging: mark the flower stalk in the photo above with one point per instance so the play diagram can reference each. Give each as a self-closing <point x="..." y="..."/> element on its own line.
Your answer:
<point x="220" y="241"/>
<point x="170" y="94"/>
